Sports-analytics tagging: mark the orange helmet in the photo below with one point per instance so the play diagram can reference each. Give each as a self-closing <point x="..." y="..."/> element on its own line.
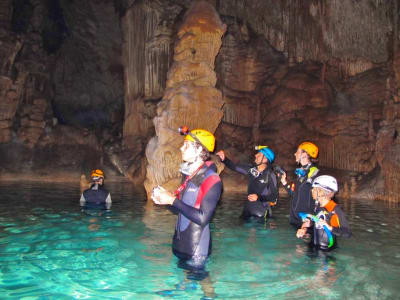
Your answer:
<point x="97" y="174"/>
<point x="310" y="148"/>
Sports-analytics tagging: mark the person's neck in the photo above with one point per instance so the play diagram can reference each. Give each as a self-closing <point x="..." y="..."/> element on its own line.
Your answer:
<point x="305" y="165"/>
<point x="324" y="202"/>
<point x="261" y="167"/>
<point x="194" y="166"/>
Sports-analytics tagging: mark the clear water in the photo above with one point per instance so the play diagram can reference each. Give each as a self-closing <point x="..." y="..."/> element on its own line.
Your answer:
<point x="50" y="249"/>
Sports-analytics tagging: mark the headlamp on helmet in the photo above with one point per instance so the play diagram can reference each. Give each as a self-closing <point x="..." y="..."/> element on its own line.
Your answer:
<point x="201" y="136"/>
<point x="267" y="152"/>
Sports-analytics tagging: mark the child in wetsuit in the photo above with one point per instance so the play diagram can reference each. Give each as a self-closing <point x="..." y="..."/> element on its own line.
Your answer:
<point x="329" y="220"/>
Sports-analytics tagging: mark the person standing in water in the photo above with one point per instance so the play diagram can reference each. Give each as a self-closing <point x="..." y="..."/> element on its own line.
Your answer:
<point x="329" y="220"/>
<point x="262" y="187"/>
<point x="300" y="191"/>
<point x="96" y="195"/>
<point x="195" y="200"/>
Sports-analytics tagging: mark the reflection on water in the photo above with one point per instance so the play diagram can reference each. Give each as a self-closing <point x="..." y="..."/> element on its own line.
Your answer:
<point x="51" y="249"/>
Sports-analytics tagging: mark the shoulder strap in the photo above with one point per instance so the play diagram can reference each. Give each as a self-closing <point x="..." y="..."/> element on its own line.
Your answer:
<point x="205" y="187"/>
<point x="312" y="172"/>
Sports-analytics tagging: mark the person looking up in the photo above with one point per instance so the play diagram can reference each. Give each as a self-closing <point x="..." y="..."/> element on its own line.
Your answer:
<point x="262" y="190"/>
<point x="300" y="191"/>
<point x="329" y="220"/>
<point x="194" y="201"/>
<point x="96" y="195"/>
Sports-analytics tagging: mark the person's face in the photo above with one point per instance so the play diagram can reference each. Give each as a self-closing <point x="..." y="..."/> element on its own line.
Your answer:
<point x="320" y="195"/>
<point x="260" y="158"/>
<point x="301" y="157"/>
<point x="189" y="151"/>
<point x="100" y="181"/>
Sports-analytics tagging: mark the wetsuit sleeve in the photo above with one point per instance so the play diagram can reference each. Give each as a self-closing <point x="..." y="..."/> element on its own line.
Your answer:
<point x="82" y="201"/>
<point x="108" y="201"/>
<point x="201" y="216"/>
<point x="270" y="192"/>
<point x="343" y="228"/>
<point x="242" y="169"/>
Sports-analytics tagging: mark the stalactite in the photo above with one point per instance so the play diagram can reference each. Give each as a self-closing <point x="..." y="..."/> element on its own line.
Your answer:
<point x="311" y="30"/>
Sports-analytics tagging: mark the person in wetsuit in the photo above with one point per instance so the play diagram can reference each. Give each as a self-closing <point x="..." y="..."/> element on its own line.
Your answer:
<point x="329" y="220"/>
<point x="96" y="195"/>
<point x="300" y="191"/>
<point x="194" y="201"/>
<point x="262" y="187"/>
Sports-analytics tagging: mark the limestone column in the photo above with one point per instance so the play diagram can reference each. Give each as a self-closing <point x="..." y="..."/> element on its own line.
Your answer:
<point x="190" y="97"/>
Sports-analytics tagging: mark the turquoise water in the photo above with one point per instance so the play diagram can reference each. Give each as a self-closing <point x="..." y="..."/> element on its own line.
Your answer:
<point x="50" y="249"/>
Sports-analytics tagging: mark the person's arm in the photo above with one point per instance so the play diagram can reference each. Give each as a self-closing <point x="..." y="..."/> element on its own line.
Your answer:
<point x="339" y="224"/>
<point x="202" y="215"/>
<point x="242" y="169"/>
<point x="82" y="201"/>
<point x="301" y="232"/>
<point x="108" y="201"/>
<point x="286" y="184"/>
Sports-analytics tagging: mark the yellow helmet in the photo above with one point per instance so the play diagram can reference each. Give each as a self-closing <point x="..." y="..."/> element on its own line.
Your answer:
<point x="97" y="173"/>
<point x="205" y="137"/>
<point x="310" y="148"/>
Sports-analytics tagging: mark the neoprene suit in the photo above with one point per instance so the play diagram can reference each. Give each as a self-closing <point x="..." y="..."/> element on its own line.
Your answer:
<point x="333" y="214"/>
<point x="264" y="185"/>
<point x="301" y="198"/>
<point x="96" y="195"/>
<point x="196" y="206"/>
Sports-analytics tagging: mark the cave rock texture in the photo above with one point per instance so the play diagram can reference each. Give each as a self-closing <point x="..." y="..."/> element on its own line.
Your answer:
<point x="87" y="84"/>
<point x="190" y="96"/>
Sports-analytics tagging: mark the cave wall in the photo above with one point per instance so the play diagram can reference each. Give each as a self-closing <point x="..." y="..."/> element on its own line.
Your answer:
<point x="325" y="71"/>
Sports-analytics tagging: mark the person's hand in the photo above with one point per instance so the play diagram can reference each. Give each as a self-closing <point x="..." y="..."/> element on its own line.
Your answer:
<point x="162" y="196"/>
<point x="306" y="223"/>
<point x="221" y="155"/>
<point x="252" y="197"/>
<point x="283" y="178"/>
<point x="301" y="232"/>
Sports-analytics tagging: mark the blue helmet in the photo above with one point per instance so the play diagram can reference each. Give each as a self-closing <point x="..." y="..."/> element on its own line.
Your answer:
<point x="269" y="154"/>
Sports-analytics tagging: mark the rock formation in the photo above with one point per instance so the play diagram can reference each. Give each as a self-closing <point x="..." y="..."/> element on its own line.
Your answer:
<point x="84" y="83"/>
<point x="190" y="97"/>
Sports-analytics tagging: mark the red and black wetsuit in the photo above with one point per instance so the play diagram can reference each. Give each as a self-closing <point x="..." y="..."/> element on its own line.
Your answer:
<point x="196" y="206"/>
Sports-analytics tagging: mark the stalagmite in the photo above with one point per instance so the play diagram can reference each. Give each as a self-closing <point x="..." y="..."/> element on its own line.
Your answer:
<point x="190" y="98"/>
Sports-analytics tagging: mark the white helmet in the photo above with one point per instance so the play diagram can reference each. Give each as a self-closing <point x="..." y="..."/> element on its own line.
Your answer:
<point x="326" y="182"/>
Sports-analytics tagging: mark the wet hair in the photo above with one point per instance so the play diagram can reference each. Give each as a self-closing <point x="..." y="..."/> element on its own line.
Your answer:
<point x="204" y="154"/>
<point x="313" y="160"/>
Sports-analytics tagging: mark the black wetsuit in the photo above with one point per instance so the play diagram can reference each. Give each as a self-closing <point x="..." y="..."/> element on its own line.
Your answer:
<point x="96" y="196"/>
<point x="333" y="214"/>
<point x="196" y="206"/>
<point x="301" y="198"/>
<point x="264" y="186"/>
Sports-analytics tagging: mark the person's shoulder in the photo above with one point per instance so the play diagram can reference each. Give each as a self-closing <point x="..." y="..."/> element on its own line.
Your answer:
<point x="104" y="190"/>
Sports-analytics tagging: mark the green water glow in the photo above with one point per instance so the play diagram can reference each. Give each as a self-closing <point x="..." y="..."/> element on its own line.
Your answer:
<point x="50" y="249"/>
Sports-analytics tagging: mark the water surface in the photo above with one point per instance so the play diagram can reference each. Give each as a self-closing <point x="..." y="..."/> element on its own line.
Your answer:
<point x="51" y="249"/>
